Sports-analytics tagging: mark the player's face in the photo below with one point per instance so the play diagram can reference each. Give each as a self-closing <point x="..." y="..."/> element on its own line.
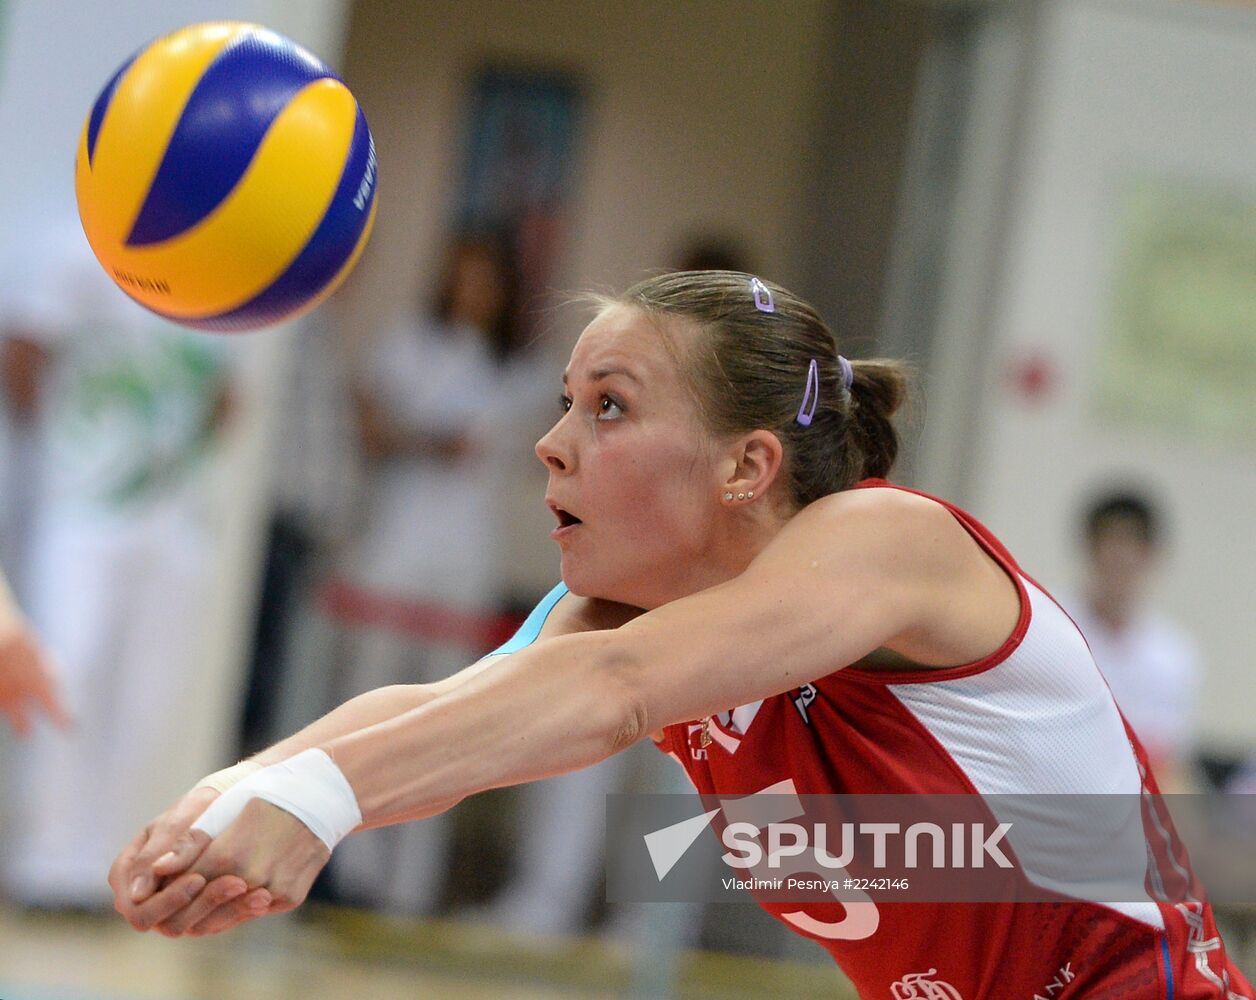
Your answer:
<point x="632" y="480"/>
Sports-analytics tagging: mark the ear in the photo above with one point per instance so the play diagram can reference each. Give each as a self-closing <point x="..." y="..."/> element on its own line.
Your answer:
<point x="752" y="465"/>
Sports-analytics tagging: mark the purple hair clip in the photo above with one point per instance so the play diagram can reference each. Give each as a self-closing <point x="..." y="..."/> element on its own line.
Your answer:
<point x="762" y="296"/>
<point x="810" y="395"/>
<point x="848" y="373"/>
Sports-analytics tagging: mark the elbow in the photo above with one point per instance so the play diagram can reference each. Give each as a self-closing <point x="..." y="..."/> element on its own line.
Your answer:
<point x="631" y="725"/>
<point x="623" y="697"/>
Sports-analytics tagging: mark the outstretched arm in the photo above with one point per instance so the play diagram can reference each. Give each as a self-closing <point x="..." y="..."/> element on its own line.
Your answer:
<point x="842" y="579"/>
<point x="839" y="581"/>
<point x="145" y="896"/>
<point x="148" y="877"/>
<point x="847" y="576"/>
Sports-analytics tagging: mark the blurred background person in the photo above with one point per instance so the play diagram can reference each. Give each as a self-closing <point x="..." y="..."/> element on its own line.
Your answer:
<point x="442" y="395"/>
<point x="1151" y="663"/>
<point x="125" y="409"/>
<point x="27" y="682"/>
<point x="316" y="472"/>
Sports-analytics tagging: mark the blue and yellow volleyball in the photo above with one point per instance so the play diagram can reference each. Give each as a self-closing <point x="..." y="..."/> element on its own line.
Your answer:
<point x="226" y="177"/>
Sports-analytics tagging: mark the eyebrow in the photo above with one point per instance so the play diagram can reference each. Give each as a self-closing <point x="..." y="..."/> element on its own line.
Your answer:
<point x="598" y="374"/>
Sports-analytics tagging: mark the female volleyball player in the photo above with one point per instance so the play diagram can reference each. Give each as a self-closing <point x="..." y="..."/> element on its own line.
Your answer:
<point x="719" y="465"/>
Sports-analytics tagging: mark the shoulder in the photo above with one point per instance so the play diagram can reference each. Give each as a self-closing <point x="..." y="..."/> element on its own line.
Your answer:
<point x="879" y="502"/>
<point x="875" y="521"/>
<point x="894" y="553"/>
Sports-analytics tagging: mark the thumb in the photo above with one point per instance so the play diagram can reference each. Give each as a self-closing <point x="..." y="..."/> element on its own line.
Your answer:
<point x="181" y="856"/>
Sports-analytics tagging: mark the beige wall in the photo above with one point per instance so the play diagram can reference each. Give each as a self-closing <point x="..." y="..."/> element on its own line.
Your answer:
<point x="698" y="116"/>
<point x="1120" y="93"/>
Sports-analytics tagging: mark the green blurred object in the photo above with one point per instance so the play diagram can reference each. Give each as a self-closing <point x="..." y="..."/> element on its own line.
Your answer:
<point x="1178" y="350"/>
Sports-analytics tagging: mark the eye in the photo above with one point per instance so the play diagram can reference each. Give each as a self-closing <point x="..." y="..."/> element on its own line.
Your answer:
<point x="608" y="409"/>
<point x="565" y="402"/>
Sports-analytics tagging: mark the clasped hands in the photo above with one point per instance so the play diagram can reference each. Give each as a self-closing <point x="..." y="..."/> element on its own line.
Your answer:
<point x="178" y="881"/>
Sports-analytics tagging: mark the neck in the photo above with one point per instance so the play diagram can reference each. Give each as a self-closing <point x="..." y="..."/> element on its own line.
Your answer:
<point x="738" y="539"/>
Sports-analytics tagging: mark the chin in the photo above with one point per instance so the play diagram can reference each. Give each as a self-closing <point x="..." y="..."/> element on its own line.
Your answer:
<point x="584" y="584"/>
<point x="603" y="586"/>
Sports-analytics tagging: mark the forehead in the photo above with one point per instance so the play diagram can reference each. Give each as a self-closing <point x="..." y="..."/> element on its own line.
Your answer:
<point x="622" y="337"/>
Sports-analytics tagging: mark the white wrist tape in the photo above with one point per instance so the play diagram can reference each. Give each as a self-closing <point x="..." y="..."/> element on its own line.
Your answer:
<point x="220" y="781"/>
<point x="309" y="786"/>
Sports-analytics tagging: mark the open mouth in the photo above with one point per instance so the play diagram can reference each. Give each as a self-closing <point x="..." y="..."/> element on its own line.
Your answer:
<point x="566" y="519"/>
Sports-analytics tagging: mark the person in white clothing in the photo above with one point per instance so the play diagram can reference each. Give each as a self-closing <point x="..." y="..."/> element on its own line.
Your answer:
<point x="125" y="419"/>
<point x="444" y="396"/>
<point x="1150" y="662"/>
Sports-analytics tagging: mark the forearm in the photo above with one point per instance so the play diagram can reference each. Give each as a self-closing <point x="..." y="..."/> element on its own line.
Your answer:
<point x="556" y="706"/>
<point x="362" y="712"/>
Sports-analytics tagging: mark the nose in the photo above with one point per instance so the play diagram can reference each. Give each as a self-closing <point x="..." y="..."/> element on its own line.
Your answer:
<point x="553" y="451"/>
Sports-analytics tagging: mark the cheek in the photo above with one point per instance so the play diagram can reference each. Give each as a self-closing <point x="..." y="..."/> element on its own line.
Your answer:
<point x="659" y="503"/>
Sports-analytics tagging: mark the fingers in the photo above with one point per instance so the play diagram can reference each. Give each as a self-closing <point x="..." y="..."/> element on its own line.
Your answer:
<point x="218" y="893"/>
<point x="240" y="910"/>
<point x="30" y="682"/>
<point x="166" y="902"/>
<point x="132" y="877"/>
<point x="181" y="856"/>
<point x="49" y="699"/>
<point x="120" y="870"/>
<point x="265" y="847"/>
<point x="162" y="836"/>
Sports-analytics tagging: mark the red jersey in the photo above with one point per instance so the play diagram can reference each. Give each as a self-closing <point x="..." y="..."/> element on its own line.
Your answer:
<point x="1034" y="717"/>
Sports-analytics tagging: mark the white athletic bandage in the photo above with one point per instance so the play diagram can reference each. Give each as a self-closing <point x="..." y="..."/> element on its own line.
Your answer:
<point x="220" y="781"/>
<point x="309" y="786"/>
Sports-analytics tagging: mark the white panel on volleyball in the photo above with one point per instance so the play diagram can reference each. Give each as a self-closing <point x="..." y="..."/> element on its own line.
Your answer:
<point x="1041" y="724"/>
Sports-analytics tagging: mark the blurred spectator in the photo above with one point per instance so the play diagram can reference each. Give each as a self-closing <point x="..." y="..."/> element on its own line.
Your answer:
<point x="442" y="397"/>
<point x="125" y="408"/>
<point x="21" y="361"/>
<point x="1151" y="664"/>
<point x="317" y="476"/>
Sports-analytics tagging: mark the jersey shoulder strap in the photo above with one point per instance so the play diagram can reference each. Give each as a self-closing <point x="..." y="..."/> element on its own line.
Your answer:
<point x="531" y="626"/>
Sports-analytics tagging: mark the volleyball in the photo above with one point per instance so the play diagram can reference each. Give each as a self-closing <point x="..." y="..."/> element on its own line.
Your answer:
<point x="225" y="177"/>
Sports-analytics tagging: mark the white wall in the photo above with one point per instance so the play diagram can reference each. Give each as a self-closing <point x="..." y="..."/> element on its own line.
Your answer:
<point x="1120" y="90"/>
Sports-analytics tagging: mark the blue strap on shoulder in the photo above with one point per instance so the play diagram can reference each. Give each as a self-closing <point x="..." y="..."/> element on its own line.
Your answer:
<point x="531" y="626"/>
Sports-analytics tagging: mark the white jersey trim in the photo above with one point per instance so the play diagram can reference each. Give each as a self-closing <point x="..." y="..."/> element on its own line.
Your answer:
<point x="1048" y="726"/>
